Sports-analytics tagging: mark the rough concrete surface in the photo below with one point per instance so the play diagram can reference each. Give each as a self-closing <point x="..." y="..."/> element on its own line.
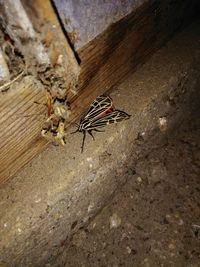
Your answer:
<point x="154" y="219"/>
<point x="62" y="189"/>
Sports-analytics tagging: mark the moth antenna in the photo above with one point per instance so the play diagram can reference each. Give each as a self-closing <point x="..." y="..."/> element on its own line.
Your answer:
<point x="74" y="132"/>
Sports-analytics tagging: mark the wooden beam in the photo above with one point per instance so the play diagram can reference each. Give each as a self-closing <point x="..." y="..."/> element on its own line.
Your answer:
<point x="104" y="62"/>
<point x="21" y="121"/>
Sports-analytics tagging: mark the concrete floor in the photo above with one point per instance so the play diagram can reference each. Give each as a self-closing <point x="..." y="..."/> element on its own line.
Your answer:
<point x="61" y="190"/>
<point x="154" y="219"/>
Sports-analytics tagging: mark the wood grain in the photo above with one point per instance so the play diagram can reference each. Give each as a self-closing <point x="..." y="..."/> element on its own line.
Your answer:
<point x="104" y="62"/>
<point x="21" y="120"/>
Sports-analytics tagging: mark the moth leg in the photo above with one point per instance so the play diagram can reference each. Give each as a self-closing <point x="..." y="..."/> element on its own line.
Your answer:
<point x="75" y="131"/>
<point x="84" y="134"/>
<point x="90" y="133"/>
<point x="97" y="130"/>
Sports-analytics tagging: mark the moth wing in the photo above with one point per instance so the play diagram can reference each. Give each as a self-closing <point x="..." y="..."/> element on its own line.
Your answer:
<point x="100" y="105"/>
<point x="109" y="118"/>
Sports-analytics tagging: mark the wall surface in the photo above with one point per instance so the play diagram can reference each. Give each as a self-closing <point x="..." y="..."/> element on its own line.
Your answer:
<point x="84" y="20"/>
<point x="61" y="189"/>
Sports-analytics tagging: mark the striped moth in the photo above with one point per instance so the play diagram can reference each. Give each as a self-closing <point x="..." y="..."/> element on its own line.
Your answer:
<point x="99" y="114"/>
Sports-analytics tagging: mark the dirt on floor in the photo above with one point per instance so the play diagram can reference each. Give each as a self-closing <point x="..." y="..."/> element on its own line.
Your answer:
<point x="154" y="219"/>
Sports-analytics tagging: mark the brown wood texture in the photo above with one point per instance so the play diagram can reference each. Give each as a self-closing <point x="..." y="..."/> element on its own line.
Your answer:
<point x="39" y="32"/>
<point x="124" y="45"/>
<point x="45" y="21"/>
<point x="104" y="62"/>
<point x="21" y="121"/>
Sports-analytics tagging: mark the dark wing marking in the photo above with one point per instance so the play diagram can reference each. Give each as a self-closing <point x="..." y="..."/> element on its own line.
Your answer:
<point x="112" y="117"/>
<point x="99" y="106"/>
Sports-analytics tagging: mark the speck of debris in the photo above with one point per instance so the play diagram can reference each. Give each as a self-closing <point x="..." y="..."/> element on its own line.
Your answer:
<point x="128" y="249"/>
<point x="115" y="221"/>
<point x="19" y="230"/>
<point x="162" y="122"/>
<point x="139" y="179"/>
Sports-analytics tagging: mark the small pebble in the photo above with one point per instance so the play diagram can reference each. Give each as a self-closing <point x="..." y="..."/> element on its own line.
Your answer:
<point x="115" y="221"/>
<point x="90" y="208"/>
<point x="128" y="250"/>
<point x="38" y="200"/>
<point x="162" y="122"/>
<point x="89" y="159"/>
<point x="139" y="179"/>
<point x="19" y="230"/>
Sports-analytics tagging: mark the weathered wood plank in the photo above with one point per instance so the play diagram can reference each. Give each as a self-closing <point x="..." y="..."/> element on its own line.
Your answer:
<point x="50" y="63"/>
<point x="21" y="121"/>
<point x="104" y="62"/>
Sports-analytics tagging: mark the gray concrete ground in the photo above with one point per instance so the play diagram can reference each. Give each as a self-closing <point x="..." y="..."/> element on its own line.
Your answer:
<point x="154" y="219"/>
<point x="61" y="190"/>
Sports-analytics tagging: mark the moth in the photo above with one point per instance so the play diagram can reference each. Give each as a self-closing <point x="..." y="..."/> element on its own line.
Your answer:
<point x="99" y="114"/>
